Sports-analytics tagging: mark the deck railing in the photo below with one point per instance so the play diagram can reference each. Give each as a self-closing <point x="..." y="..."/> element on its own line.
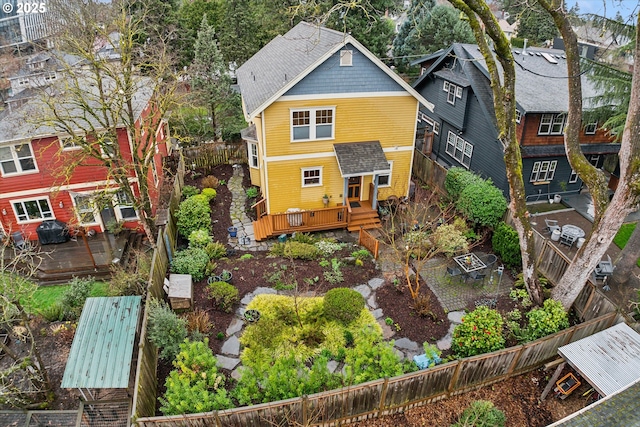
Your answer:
<point x="309" y="220"/>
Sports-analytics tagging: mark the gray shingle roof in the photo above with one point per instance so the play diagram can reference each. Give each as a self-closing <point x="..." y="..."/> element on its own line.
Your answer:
<point x="559" y="150"/>
<point x="282" y="60"/>
<point x="359" y="158"/>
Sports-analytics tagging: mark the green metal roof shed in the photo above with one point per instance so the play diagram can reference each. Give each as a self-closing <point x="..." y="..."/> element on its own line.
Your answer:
<point x="100" y="356"/>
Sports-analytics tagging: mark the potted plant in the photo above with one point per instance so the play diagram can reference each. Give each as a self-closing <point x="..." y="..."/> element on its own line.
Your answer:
<point x="226" y="276"/>
<point x="325" y="200"/>
<point x="252" y="316"/>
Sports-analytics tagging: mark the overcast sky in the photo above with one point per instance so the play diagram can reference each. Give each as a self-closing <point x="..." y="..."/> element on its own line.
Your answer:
<point x="606" y="8"/>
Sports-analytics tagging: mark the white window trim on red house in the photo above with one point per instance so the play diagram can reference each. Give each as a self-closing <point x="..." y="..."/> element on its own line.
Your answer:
<point x="21" y="202"/>
<point x="16" y="161"/>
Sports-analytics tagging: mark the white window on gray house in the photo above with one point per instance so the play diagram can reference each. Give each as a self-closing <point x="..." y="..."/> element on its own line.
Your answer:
<point x="16" y="159"/>
<point x="311" y="177"/>
<point x="346" y="58"/>
<point x="312" y="124"/>
<point x="594" y="159"/>
<point x="518" y="116"/>
<point x="453" y="92"/>
<point x="32" y="210"/>
<point x="590" y="128"/>
<point x="573" y="178"/>
<point x="384" y="180"/>
<point x="23" y="81"/>
<point x="435" y="126"/>
<point x="552" y="124"/>
<point x="253" y="154"/>
<point x="459" y="149"/>
<point x="543" y="171"/>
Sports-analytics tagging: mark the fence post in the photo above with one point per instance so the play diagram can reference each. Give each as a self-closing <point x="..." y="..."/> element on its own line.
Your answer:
<point x="305" y="408"/>
<point x="383" y="397"/>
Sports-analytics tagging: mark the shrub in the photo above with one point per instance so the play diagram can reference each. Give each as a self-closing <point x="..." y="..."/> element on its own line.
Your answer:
<point x="53" y="313"/>
<point x="124" y="282"/>
<point x="198" y="321"/>
<point x="277" y="249"/>
<point x="458" y="179"/>
<point x="193" y="214"/>
<point x="199" y="238"/>
<point x="450" y="240"/>
<point x="210" y="181"/>
<point x="209" y="193"/>
<point x="251" y="192"/>
<point x="327" y="247"/>
<point x="480" y="332"/>
<point x="191" y="261"/>
<point x="297" y="250"/>
<point x="224" y="295"/>
<point x="546" y="320"/>
<point x="189" y="190"/>
<point x="361" y="254"/>
<point x="166" y="330"/>
<point x="216" y="250"/>
<point x="483" y="203"/>
<point x="304" y="238"/>
<point x="481" y="413"/>
<point x="73" y="298"/>
<point x="335" y="274"/>
<point x="371" y="359"/>
<point x="343" y="304"/>
<point x="506" y="244"/>
<point x="195" y="384"/>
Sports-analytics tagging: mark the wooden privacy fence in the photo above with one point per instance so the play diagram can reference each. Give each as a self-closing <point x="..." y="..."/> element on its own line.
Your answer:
<point x="392" y="395"/>
<point x="146" y="381"/>
<point x="427" y="170"/>
<point x="368" y="241"/>
<point x="209" y="155"/>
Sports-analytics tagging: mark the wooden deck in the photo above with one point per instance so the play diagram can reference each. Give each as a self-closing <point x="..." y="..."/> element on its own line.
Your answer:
<point x="62" y="261"/>
<point x="351" y="218"/>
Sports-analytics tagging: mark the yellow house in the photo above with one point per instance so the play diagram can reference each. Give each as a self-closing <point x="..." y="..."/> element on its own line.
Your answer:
<point x="332" y="131"/>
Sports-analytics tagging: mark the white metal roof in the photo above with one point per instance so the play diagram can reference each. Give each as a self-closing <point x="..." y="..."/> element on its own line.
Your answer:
<point x="609" y="360"/>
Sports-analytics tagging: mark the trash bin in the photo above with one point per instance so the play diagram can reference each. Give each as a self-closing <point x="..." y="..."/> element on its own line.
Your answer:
<point x="580" y="242"/>
<point x="294" y="219"/>
<point x="52" y="231"/>
<point x="555" y="236"/>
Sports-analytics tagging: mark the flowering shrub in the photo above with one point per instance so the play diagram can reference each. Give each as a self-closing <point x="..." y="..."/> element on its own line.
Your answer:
<point x="480" y="332"/>
<point x="327" y="247"/>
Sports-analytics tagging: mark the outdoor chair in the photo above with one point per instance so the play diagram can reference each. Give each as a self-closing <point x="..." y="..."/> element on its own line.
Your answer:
<point x="489" y="260"/>
<point x="603" y="269"/>
<point x="551" y="225"/>
<point x="453" y="271"/>
<point x="18" y="240"/>
<point x="568" y="239"/>
<point x="478" y="276"/>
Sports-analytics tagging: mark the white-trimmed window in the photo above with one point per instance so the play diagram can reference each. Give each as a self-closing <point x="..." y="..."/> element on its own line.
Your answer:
<point x="253" y="154"/>
<point x="85" y="209"/>
<point x="311" y="124"/>
<point x="594" y="159"/>
<point x="384" y="180"/>
<point x="15" y="159"/>
<point x="312" y="177"/>
<point x="518" y="116"/>
<point x="552" y="124"/>
<point x="50" y="76"/>
<point x="453" y="92"/>
<point x="68" y="143"/>
<point x="23" y="81"/>
<point x="435" y="126"/>
<point x="32" y="210"/>
<point x="108" y="148"/>
<point x="573" y="178"/>
<point x="543" y="171"/>
<point x="124" y="209"/>
<point x="590" y="128"/>
<point x="459" y="149"/>
<point x="346" y="58"/>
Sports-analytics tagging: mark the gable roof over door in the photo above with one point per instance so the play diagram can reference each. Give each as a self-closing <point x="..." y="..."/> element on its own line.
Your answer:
<point x="287" y="59"/>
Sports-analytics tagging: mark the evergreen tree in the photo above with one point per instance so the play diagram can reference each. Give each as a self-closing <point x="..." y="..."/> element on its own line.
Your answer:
<point x="210" y="74"/>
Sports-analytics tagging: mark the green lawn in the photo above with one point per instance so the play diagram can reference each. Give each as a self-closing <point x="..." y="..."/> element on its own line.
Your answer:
<point x="622" y="236"/>
<point x="47" y="296"/>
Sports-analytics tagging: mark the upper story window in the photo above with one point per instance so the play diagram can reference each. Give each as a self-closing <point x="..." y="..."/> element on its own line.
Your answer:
<point x="23" y="81"/>
<point x="50" y="76"/>
<point x="311" y="124"/>
<point x="543" y="171"/>
<point x="311" y="177"/>
<point x="346" y="58"/>
<point x="552" y="124"/>
<point x="459" y="149"/>
<point x="16" y="159"/>
<point x="68" y="143"/>
<point x="32" y="210"/>
<point x="518" y="116"/>
<point x="453" y="92"/>
<point x="253" y="154"/>
<point x="435" y="126"/>
<point x="590" y="128"/>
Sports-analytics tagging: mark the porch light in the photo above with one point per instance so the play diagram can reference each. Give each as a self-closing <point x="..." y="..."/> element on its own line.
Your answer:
<point x="61" y="205"/>
<point x="4" y="211"/>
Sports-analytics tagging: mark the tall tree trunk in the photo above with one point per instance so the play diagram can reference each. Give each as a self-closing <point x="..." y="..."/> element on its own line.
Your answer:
<point x="628" y="258"/>
<point x="504" y="105"/>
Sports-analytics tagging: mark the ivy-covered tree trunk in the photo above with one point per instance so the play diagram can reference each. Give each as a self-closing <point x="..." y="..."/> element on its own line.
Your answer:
<point x="505" y="105"/>
<point x="628" y="258"/>
<point x="607" y="219"/>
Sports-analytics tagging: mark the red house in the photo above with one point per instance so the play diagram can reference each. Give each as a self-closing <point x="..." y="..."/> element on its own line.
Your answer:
<point x="33" y="154"/>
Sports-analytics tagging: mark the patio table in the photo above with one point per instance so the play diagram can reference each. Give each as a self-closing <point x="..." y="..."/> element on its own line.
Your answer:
<point x="573" y="230"/>
<point x="469" y="262"/>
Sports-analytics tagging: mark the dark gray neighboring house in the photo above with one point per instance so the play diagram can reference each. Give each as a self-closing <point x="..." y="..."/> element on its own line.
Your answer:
<point x="462" y="130"/>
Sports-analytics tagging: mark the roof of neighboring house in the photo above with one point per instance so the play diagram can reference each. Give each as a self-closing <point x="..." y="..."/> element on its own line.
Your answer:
<point x="559" y="150"/>
<point x="53" y="60"/>
<point x="541" y="84"/>
<point x="358" y="158"/>
<point x="102" y="348"/>
<point x="288" y="58"/>
<point x="28" y="121"/>
<point x="588" y="33"/>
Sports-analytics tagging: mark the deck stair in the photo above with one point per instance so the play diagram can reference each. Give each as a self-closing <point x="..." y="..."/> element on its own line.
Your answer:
<point x="366" y="218"/>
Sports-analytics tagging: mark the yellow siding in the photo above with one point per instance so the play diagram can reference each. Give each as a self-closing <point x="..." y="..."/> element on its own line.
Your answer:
<point x="390" y="120"/>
